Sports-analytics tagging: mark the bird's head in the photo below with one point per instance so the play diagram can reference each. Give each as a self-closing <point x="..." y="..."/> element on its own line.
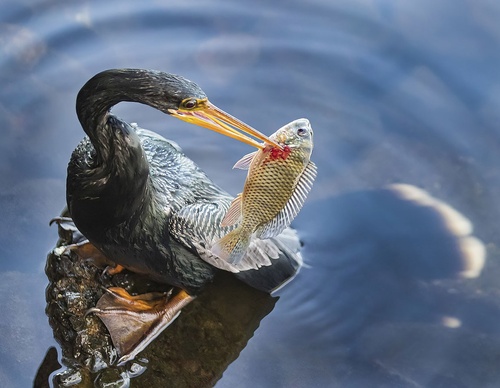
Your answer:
<point x="169" y="93"/>
<point x="186" y="101"/>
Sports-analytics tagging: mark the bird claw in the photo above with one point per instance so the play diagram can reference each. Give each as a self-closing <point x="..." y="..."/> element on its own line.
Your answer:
<point x="112" y="270"/>
<point x="62" y="221"/>
<point x="134" y="321"/>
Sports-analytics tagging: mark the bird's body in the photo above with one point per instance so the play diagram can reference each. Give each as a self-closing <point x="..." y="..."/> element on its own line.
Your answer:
<point x="140" y="200"/>
<point x="140" y="239"/>
<point x="147" y="207"/>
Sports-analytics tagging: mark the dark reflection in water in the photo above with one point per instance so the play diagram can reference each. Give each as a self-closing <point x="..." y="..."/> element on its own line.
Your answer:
<point x="390" y="299"/>
<point x="388" y="250"/>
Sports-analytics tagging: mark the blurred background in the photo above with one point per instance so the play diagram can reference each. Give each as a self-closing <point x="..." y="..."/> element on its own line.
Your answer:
<point x="401" y="284"/>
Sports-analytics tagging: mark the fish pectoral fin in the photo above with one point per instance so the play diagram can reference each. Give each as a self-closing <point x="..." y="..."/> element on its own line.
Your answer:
<point x="233" y="214"/>
<point x="244" y="162"/>
<point x="285" y="217"/>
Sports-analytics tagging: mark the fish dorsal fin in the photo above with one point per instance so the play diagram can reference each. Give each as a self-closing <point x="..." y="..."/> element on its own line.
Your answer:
<point x="244" y="162"/>
<point x="293" y="206"/>
<point x="233" y="214"/>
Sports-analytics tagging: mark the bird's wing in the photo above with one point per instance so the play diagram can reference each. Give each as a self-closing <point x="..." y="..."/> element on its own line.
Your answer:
<point x="198" y="226"/>
<point x="178" y="181"/>
<point x="196" y="208"/>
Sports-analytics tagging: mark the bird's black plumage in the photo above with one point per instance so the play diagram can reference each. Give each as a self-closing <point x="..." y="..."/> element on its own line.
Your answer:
<point x="143" y="203"/>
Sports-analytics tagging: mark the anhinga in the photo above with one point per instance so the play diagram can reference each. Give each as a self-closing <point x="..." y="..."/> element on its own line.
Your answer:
<point x="147" y="207"/>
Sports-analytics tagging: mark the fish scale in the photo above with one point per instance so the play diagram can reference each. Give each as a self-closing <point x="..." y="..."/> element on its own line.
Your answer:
<point x="270" y="187"/>
<point x="277" y="184"/>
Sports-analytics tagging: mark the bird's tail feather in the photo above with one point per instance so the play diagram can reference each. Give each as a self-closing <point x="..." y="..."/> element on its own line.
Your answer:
<point x="282" y="269"/>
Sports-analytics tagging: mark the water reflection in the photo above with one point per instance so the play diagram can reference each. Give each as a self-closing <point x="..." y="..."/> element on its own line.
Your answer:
<point x="383" y="293"/>
<point x="385" y="249"/>
<point x="391" y="295"/>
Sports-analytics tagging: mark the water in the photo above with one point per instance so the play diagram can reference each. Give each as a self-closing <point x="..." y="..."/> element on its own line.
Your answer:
<point x="397" y="92"/>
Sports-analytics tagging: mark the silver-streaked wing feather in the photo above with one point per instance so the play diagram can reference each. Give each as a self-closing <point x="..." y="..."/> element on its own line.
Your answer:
<point x="198" y="226"/>
<point x="197" y="206"/>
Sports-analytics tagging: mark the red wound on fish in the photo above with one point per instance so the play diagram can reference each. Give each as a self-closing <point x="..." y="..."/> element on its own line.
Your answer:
<point x="278" y="153"/>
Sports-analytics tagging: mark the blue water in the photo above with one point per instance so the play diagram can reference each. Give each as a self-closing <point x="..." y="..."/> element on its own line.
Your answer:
<point x="397" y="92"/>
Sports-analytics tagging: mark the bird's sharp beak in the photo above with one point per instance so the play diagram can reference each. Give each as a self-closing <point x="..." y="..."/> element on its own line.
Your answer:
<point x="209" y="116"/>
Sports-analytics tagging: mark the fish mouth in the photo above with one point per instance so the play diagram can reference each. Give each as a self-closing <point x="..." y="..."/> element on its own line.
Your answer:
<point x="207" y="115"/>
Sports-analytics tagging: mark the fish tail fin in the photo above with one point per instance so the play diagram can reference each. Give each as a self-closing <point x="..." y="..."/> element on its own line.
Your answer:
<point x="232" y="246"/>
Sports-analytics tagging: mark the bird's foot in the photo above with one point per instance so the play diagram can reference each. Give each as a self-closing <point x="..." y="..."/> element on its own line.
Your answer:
<point x="82" y="247"/>
<point x="110" y="270"/>
<point x="64" y="222"/>
<point x="134" y="322"/>
<point x="89" y="253"/>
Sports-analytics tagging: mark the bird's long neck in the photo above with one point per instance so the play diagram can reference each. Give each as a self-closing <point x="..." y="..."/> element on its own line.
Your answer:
<point x="115" y="180"/>
<point x="107" y="89"/>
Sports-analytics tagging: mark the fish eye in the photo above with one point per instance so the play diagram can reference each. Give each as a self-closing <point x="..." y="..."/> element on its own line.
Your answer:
<point x="190" y="104"/>
<point x="301" y="131"/>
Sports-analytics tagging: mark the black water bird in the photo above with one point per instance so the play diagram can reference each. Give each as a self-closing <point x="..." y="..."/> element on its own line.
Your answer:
<point x="147" y="207"/>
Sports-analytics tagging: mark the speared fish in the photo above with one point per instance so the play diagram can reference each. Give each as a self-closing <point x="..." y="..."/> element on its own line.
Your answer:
<point x="276" y="187"/>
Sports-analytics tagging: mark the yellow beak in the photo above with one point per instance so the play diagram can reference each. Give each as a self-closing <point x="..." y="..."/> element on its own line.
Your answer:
<point x="209" y="116"/>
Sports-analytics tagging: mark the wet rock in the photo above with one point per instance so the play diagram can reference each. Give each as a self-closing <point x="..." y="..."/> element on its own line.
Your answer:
<point x="193" y="352"/>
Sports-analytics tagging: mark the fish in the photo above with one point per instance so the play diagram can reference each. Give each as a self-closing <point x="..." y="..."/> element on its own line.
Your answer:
<point x="276" y="187"/>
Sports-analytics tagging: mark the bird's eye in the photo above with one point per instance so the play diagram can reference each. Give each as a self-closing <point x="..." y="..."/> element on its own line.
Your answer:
<point x="190" y="104"/>
<point x="301" y="131"/>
